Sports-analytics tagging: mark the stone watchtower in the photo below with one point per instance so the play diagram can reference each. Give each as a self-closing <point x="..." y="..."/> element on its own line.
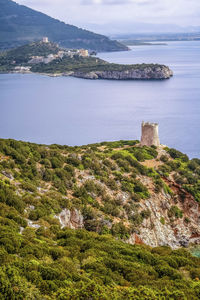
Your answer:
<point x="149" y="134"/>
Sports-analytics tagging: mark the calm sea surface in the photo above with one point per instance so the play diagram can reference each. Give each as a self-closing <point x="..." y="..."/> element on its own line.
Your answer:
<point x="74" y="111"/>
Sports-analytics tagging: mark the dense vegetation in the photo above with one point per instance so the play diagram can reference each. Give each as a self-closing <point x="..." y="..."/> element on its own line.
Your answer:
<point x="20" y="25"/>
<point x="64" y="264"/>
<point x="67" y="64"/>
<point x="85" y="65"/>
<point x="185" y="172"/>
<point x="40" y="260"/>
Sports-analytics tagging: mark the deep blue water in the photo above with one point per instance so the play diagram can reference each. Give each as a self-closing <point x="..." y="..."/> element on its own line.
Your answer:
<point x="75" y="111"/>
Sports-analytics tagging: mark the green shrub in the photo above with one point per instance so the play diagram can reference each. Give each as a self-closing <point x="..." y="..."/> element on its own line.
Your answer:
<point x="162" y="220"/>
<point x="175" y="212"/>
<point x="177" y="154"/>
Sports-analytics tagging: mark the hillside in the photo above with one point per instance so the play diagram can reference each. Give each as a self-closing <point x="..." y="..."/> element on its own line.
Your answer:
<point x="49" y="58"/>
<point x="137" y="193"/>
<point x="110" y="193"/>
<point x="20" y="25"/>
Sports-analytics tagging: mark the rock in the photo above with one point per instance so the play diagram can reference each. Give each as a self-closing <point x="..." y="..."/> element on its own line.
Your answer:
<point x="21" y="230"/>
<point x="72" y="219"/>
<point x="184" y="243"/>
<point x="7" y="174"/>
<point x="89" y="75"/>
<point x="106" y="223"/>
<point x="175" y="233"/>
<point x="33" y="224"/>
<point x="123" y="197"/>
<point x="144" y="73"/>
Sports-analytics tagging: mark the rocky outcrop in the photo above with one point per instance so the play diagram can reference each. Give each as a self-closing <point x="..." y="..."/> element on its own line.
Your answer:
<point x="161" y="229"/>
<point x="72" y="219"/>
<point x="7" y="174"/>
<point x="157" y="72"/>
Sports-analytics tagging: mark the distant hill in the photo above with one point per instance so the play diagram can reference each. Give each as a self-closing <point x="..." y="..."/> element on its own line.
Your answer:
<point x="20" y="25"/>
<point x="156" y="37"/>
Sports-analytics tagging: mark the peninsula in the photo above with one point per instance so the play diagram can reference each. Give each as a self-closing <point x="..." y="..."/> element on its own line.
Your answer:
<point x="48" y="58"/>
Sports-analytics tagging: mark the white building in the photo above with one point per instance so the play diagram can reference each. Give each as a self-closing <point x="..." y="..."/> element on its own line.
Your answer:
<point x="83" y="52"/>
<point x="21" y="69"/>
<point x="36" y="60"/>
<point x="45" y="39"/>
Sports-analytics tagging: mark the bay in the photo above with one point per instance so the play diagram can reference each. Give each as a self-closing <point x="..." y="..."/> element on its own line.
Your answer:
<point x="73" y="111"/>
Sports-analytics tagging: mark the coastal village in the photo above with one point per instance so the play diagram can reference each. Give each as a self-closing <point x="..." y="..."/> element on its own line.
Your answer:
<point x="49" y="58"/>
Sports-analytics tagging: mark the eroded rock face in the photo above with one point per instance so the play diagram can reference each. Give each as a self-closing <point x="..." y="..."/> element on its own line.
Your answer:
<point x="72" y="219"/>
<point x="175" y="232"/>
<point x="149" y="72"/>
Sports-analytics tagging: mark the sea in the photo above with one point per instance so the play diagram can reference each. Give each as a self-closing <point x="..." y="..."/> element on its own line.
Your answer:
<point x="72" y="111"/>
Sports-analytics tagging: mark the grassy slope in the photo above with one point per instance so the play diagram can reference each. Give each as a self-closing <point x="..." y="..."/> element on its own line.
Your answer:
<point x="38" y="181"/>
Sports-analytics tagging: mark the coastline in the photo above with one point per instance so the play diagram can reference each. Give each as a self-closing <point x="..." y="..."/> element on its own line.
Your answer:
<point x="147" y="74"/>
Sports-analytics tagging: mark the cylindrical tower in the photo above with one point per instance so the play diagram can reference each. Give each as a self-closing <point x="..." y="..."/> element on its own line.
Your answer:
<point x="150" y="134"/>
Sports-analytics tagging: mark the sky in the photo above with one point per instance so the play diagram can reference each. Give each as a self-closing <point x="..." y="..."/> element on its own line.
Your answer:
<point x="120" y="16"/>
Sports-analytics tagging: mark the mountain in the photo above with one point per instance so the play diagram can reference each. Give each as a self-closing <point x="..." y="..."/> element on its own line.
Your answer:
<point x="116" y="28"/>
<point x="152" y="37"/>
<point x="20" y="24"/>
<point x="65" y="213"/>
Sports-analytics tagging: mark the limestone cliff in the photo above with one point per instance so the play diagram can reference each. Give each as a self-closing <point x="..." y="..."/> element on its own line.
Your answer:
<point x="147" y="73"/>
<point x="161" y="229"/>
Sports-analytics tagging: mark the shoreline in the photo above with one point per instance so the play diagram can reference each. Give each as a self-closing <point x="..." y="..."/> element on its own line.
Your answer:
<point x="98" y="75"/>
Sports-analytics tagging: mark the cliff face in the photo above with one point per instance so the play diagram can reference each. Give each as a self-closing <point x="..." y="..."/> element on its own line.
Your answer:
<point x="147" y="73"/>
<point x="161" y="228"/>
<point x="173" y="232"/>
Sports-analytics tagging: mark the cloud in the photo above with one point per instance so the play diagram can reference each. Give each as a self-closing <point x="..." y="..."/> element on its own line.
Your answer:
<point x="118" y="2"/>
<point x="105" y="2"/>
<point x="116" y="13"/>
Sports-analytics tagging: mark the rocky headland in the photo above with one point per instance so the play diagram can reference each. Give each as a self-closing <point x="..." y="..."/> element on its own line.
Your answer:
<point x="146" y="73"/>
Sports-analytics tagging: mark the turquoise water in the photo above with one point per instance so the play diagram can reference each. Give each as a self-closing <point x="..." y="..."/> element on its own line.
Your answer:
<point x="75" y="111"/>
<point x="195" y="251"/>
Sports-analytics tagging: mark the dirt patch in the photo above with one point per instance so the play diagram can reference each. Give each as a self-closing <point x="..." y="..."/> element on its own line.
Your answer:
<point x="152" y="163"/>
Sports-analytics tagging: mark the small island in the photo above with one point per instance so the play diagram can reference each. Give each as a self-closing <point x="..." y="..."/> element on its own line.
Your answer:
<point x="48" y="58"/>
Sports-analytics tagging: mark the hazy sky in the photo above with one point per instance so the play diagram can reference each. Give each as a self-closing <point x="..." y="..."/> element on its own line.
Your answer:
<point x="113" y="15"/>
